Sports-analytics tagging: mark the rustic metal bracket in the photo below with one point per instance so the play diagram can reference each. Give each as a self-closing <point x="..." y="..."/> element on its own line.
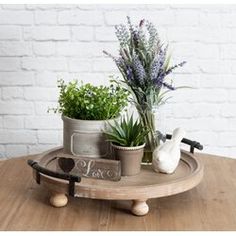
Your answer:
<point x="192" y="144"/>
<point x="71" y="178"/>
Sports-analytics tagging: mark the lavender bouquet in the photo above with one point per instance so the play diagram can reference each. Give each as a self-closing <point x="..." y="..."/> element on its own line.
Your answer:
<point x="144" y="65"/>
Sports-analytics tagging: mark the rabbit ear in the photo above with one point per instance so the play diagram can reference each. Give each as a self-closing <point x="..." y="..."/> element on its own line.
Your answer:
<point x="178" y="134"/>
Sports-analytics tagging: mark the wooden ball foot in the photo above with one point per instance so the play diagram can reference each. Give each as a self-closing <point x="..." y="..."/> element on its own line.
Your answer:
<point x="139" y="207"/>
<point x="58" y="199"/>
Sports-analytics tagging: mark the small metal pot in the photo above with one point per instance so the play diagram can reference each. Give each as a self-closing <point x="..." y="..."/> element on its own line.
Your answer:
<point x="130" y="158"/>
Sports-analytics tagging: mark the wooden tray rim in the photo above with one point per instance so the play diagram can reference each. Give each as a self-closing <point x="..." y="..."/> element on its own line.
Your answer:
<point x="179" y="185"/>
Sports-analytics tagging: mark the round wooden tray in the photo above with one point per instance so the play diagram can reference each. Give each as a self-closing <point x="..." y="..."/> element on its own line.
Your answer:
<point x="148" y="184"/>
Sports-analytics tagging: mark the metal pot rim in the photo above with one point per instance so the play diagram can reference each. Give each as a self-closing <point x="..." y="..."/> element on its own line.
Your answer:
<point x="66" y="118"/>
<point x="128" y="148"/>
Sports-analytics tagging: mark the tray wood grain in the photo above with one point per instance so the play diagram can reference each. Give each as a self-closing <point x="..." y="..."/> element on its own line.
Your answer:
<point x="148" y="184"/>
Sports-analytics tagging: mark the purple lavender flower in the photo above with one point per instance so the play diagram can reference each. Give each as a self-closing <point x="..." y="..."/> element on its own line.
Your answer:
<point x="141" y="23"/>
<point x="122" y="34"/>
<point x="157" y="64"/>
<point x="143" y="61"/>
<point x="169" y="86"/>
<point x="170" y="70"/>
<point x="119" y="62"/>
<point x="109" y="55"/>
<point x="163" y="54"/>
<point x="138" y="70"/>
<point x="158" y="81"/>
<point x="155" y="67"/>
<point x="134" y="32"/>
<point x="153" y="35"/>
<point x="129" y="73"/>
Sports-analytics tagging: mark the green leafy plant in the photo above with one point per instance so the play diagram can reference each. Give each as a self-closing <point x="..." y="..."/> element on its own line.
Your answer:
<point x="126" y="133"/>
<point x="88" y="102"/>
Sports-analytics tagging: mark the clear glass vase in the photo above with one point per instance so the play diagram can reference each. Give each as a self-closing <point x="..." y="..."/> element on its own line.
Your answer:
<point x="147" y="157"/>
<point x="149" y="120"/>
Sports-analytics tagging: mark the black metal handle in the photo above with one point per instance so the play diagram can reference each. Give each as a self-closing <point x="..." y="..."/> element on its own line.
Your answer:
<point x="192" y="144"/>
<point x="39" y="169"/>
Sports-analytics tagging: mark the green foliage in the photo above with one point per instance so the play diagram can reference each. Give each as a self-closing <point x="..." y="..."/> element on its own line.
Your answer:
<point x="89" y="102"/>
<point x="127" y="133"/>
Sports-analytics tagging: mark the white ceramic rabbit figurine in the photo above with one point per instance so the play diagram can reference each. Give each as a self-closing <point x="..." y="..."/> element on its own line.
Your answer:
<point x="166" y="157"/>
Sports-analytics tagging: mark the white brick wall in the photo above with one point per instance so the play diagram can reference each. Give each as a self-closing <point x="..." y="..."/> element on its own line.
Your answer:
<point x="41" y="43"/>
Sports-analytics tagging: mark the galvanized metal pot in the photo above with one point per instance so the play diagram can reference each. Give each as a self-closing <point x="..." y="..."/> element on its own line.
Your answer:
<point x="130" y="158"/>
<point x="85" y="138"/>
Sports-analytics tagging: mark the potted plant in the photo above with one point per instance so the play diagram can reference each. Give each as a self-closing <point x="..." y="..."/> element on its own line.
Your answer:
<point x="144" y="64"/>
<point x="85" y="110"/>
<point x="128" y="140"/>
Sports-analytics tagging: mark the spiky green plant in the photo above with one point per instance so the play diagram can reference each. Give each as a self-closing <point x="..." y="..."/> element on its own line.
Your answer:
<point x="127" y="132"/>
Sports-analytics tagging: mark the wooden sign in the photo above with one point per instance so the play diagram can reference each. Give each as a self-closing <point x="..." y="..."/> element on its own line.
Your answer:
<point x="89" y="167"/>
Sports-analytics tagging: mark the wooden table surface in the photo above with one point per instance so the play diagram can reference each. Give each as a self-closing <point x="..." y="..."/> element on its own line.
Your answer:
<point x="24" y="205"/>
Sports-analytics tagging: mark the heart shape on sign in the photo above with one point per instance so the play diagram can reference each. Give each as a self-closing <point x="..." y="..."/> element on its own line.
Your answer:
<point x="66" y="164"/>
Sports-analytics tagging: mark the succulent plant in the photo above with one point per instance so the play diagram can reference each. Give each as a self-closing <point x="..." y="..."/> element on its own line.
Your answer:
<point x="126" y="133"/>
